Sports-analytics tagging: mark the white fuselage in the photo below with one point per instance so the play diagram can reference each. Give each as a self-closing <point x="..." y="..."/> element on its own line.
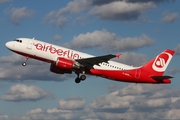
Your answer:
<point x="49" y="53"/>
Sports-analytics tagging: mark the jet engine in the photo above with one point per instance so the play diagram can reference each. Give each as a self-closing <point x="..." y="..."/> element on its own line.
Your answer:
<point x="67" y="63"/>
<point x="57" y="70"/>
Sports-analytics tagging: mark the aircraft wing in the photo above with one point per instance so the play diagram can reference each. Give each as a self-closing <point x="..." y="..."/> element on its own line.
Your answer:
<point x="90" y="62"/>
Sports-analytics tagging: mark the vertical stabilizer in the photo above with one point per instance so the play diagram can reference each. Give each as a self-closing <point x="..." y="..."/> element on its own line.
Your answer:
<point x="158" y="65"/>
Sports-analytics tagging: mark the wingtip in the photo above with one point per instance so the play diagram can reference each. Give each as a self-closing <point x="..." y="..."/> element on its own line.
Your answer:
<point x="118" y="55"/>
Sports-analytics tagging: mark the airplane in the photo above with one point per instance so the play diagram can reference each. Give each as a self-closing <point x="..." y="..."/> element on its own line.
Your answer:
<point x="64" y="60"/>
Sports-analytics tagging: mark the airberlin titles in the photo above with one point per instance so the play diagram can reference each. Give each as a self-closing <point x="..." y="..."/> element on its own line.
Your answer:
<point x="55" y="50"/>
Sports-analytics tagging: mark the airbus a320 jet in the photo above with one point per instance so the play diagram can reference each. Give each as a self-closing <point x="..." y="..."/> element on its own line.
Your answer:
<point x="63" y="60"/>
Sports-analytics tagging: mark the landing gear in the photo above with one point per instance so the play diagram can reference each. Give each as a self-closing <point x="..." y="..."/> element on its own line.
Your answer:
<point x="81" y="78"/>
<point x="24" y="63"/>
<point x="77" y="80"/>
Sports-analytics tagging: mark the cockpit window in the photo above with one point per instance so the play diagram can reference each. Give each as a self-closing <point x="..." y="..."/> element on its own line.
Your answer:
<point x="18" y="40"/>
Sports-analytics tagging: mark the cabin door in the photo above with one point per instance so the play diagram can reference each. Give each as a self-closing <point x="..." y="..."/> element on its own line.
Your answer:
<point x="30" y="44"/>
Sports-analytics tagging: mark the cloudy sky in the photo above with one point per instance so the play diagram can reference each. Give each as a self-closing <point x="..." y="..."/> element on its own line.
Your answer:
<point x="138" y="29"/>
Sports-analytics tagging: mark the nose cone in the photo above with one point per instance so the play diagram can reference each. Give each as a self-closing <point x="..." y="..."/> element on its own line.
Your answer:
<point x="9" y="45"/>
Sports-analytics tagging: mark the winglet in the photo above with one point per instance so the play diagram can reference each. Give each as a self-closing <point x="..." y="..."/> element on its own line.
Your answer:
<point x="118" y="55"/>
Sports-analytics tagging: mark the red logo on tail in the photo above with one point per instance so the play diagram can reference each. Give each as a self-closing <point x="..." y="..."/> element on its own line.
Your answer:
<point x="161" y="62"/>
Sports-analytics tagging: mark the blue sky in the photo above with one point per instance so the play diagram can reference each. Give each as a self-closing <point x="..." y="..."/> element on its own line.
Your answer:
<point x="137" y="29"/>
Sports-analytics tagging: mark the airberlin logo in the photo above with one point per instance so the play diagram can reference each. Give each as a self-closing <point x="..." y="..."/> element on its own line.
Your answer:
<point x="161" y="62"/>
<point x="54" y="50"/>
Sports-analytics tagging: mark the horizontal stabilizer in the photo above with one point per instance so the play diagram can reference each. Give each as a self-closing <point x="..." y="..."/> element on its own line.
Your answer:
<point x="160" y="77"/>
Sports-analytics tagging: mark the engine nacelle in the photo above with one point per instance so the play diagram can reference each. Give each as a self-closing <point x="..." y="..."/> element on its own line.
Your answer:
<point x="55" y="69"/>
<point x="67" y="63"/>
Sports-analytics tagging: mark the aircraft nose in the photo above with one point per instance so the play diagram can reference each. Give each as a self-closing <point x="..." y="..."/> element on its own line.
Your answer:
<point x="8" y="45"/>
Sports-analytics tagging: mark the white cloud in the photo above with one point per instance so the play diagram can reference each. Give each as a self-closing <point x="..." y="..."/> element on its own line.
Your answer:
<point x="69" y="112"/>
<point x="107" y="41"/>
<point x="168" y="17"/>
<point x="95" y="39"/>
<point x="71" y="103"/>
<point x="4" y="117"/>
<point x="130" y="97"/>
<point x="135" y="102"/>
<point x="111" y="101"/>
<point x="121" y="10"/>
<point x="131" y="58"/>
<point x="132" y="43"/>
<point x="20" y="92"/>
<point x="17" y="14"/>
<point x="173" y="114"/>
<point x="116" y="10"/>
<point x="102" y="2"/>
<point x="138" y="89"/>
<point x="60" y="18"/>
<point x="158" y="102"/>
<point x="12" y="70"/>
<point x="132" y="101"/>
<point x="38" y="110"/>
<point x="75" y="6"/>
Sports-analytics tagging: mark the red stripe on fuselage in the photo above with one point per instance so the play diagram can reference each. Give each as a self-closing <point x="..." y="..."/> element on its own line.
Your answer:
<point x="127" y="76"/>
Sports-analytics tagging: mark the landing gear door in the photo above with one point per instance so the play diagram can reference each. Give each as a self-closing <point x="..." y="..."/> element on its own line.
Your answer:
<point x="29" y="44"/>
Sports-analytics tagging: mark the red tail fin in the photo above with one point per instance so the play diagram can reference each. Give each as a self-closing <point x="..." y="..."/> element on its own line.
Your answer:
<point x="158" y="65"/>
